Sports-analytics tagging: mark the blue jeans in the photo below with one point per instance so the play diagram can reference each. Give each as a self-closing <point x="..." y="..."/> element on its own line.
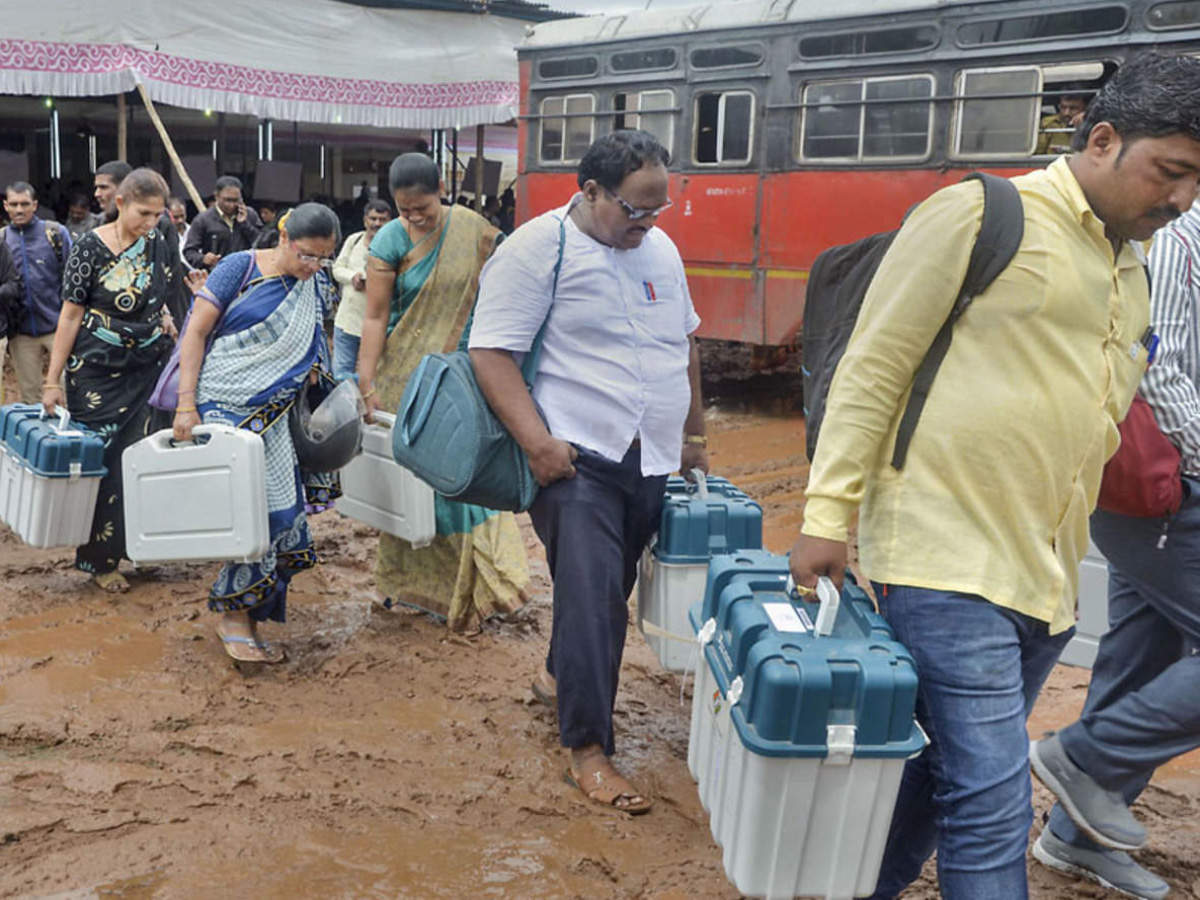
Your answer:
<point x="968" y="795"/>
<point x="1142" y="708"/>
<point x="345" y="355"/>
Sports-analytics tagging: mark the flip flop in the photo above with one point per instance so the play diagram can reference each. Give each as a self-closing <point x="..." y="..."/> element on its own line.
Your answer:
<point x="608" y="788"/>
<point x="233" y="644"/>
<point x="111" y="582"/>
<point x="541" y="695"/>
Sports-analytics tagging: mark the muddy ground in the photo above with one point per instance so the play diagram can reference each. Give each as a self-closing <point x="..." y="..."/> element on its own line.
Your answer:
<point x="386" y="758"/>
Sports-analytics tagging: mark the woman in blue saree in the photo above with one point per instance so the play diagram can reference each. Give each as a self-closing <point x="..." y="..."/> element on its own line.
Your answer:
<point x="264" y="311"/>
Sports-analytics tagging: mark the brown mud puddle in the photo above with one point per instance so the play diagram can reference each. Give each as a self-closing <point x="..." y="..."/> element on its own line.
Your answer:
<point x="385" y="758"/>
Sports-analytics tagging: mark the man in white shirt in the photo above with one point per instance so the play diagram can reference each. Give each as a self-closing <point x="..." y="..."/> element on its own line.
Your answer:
<point x="350" y="272"/>
<point x="619" y="388"/>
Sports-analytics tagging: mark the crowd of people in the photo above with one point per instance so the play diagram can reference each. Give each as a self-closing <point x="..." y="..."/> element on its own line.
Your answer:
<point x="973" y="545"/>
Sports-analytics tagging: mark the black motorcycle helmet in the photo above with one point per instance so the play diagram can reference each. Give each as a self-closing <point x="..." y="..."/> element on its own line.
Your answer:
<point x="328" y="437"/>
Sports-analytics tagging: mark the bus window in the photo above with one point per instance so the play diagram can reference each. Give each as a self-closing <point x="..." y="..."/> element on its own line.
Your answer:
<point x="862" y="43"/>
<point x="572" y="67"/>
<point x="997" y="113"/>
<point x="1176" y="14"/>
<point x="648" y="110"/>
<point x="724" y="126"/>
<point x="644" y="60"/>
<point x="1093" y="20"/>
<point x="726" y="57"/>
<point x="566" y="128"/>
<point x="866" y="118"/>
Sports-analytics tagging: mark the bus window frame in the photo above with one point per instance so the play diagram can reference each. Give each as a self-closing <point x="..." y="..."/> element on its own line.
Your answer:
<point x="695" y="135"/>
<point x="1165" y="29"/>
<point x="671" y="111"/>
<point x="954" y="151"/>
<point x="759" y="45"/>
<point x="564" y="116"/>
<point x="542" y="79"/>
<point x="935" y="25"/>
<point x="1074" y="36"/>
<point x="862" y="103"/>
<point x="674" y="67"/>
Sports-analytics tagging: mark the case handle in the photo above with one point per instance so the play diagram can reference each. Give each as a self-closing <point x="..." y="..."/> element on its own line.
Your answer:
<point x="701" y="483"/>
<point x="830" y="601"/>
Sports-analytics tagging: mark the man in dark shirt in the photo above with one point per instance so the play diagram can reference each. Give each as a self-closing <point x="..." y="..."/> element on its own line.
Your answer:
<point x="227" y="227"/>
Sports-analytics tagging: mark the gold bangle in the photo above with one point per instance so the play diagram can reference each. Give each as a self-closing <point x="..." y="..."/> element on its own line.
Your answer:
<point x="50" y="384"/>
<point x="700" y="439"/>
<point x="192" y="391"/>
<point x="183" y="409"/>
<point x="369" y="393"/>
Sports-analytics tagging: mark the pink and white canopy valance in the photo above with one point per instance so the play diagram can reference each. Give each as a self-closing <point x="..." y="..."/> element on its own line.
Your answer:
<point x="303" y="60"/>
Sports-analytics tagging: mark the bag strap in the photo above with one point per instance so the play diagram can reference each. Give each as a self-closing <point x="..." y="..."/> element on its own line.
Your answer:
<point x="1000" y="234"/>
<point x="530" y="366"/>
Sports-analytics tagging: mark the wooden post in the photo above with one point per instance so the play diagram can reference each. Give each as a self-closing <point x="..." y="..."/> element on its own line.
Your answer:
<point x="220" y="161"/>
<point x="166" y="139"/>
<point x="122" y="129"/>
<point x="479" y="169"/>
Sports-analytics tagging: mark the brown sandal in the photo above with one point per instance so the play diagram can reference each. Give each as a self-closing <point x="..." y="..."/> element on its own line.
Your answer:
<point x="606" y="786"/>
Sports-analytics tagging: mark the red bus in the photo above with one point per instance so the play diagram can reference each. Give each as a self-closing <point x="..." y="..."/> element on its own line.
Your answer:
<point x="792" y="129"/>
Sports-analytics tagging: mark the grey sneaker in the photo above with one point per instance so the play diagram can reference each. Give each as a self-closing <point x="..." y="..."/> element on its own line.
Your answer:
<point x="1114" y="869"/>
<point x="1101" y="814"/>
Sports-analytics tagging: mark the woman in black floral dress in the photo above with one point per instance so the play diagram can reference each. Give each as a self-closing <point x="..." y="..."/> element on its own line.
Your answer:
<point x="114" y="336"/>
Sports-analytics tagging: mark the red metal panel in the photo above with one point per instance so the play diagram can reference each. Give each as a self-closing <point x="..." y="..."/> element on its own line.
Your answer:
<point x="713" y="217"/>
<point x="729" y="308"/>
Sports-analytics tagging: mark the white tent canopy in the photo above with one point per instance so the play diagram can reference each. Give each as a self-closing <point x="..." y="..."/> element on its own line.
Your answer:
<point x="316" y="61"/>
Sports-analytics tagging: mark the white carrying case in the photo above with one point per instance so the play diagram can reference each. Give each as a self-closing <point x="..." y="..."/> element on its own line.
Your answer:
<point x="201" y="500"/>
<point x="48" y="495"/>
<point x="379" y="492"/>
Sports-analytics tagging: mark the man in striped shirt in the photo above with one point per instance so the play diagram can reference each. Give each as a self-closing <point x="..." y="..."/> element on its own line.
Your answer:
<point x="1143" y="707"/>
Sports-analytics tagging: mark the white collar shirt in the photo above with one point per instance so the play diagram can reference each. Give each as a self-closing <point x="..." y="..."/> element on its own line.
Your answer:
<point x="615" y="354"/>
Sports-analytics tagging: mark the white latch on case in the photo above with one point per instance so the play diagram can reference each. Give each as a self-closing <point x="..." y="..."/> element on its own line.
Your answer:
<point x="707" y="632"/>
<point x="735" y="691"/>
<point x="75" y="470"/>
<point x="840" y="741"/>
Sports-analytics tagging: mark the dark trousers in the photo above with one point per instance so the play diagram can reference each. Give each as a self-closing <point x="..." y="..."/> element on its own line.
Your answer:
<point x="1143" y="706"/>
<point x="594" y="527"/>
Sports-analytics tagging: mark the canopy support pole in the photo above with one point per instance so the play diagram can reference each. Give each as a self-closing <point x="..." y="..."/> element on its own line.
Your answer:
<point x="479" y="169"/>
<point x="166" y="139"/>
<point x="122" y="130"/>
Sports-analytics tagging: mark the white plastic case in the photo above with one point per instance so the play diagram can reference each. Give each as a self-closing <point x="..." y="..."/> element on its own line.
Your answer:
<point x="379" y="492"/>
<point x="202" y="500"/>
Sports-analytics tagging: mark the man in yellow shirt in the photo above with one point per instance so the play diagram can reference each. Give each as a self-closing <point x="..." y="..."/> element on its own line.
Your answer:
<point x="974" y="545"/>
<point x="1054" y="132"/>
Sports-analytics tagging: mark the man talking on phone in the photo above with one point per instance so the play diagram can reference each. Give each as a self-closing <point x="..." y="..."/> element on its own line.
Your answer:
<point x="226" y="227"/>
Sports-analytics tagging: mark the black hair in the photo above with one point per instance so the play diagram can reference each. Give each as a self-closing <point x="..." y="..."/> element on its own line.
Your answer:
<point x="79" y="198"/>
<point x="115" y="169"/>
<point x="311" y="220"/>
<point x="616" y="154"/>
<point x="142" y="184"/>
<point x="1152" y="95"/>
<point x="226" y="181"/>
<point x="377" y="206"/>
<point x="414" y="170"/>
<point x="21" y="187"/>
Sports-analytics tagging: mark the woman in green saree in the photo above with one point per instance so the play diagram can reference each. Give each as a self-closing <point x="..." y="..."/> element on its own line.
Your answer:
<point x="422" y="276"/>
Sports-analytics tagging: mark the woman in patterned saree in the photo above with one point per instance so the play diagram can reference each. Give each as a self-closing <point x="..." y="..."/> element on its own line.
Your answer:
<point x="422" y="276"/>
<point x="264" y="310"/>
<point x="114" y="335"/>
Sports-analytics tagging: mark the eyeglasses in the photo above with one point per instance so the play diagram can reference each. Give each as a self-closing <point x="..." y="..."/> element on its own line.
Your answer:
<point x="323" y="261"/>
<point x="633" y="213"/>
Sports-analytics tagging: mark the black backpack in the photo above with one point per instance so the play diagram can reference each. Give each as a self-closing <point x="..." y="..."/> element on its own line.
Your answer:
<point x="839" y="279"/>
